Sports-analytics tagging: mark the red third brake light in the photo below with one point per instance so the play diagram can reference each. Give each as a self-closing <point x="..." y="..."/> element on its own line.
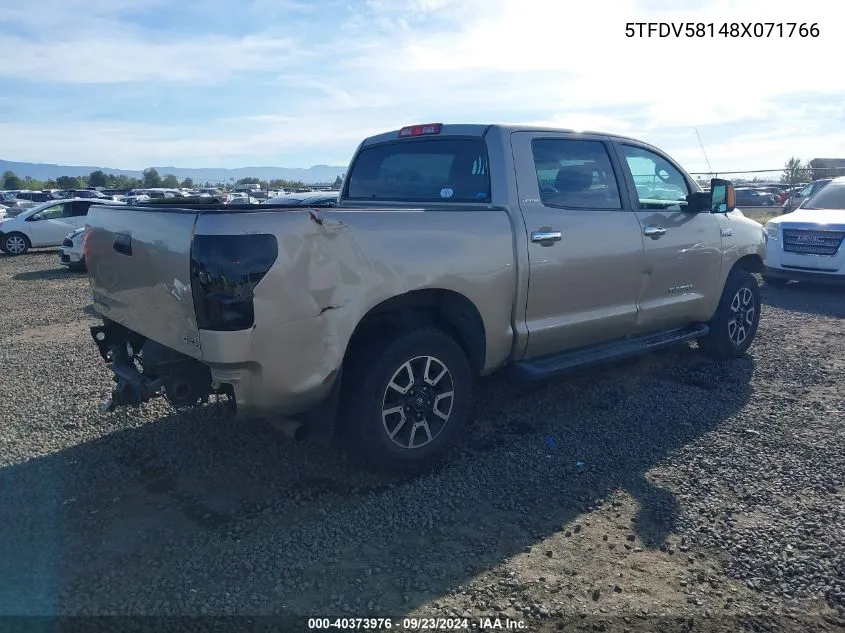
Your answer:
<point x="420" y="130"/>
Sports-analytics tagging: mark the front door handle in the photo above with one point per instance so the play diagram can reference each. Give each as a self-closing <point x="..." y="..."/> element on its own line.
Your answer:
<point x="654" y="231"/>
<point x="546" y="236"/>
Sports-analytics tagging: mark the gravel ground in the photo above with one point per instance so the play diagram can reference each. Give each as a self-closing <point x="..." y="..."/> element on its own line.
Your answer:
<point x="670" y="492"/>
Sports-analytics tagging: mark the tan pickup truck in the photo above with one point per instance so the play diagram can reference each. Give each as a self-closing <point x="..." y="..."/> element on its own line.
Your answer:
<point x="453" y="251"/>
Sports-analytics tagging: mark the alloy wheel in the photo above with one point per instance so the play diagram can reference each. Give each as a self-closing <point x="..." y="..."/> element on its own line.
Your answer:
<point x="417" y="402"/>
<point x="742" y="316"/>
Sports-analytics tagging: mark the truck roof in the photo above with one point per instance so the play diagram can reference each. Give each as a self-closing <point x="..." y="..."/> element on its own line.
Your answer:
<point x="480" y="129"/>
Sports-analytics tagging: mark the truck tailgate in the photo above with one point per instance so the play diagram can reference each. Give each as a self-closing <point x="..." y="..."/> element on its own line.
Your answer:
<point x="139" y="264"/>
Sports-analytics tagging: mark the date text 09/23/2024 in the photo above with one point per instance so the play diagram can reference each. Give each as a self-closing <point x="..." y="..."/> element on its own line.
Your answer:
<point x="726" y="29"/>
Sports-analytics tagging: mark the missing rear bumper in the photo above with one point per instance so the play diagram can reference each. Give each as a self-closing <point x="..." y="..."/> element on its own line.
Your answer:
<point x="143" y="370"/>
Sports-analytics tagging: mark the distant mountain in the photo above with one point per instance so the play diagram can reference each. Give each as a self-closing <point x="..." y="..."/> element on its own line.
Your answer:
<point x="310" y="175"/>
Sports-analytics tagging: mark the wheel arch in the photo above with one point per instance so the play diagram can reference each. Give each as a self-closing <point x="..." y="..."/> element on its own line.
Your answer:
<point x="752" y="263"/>
<point x="451" y="311"/>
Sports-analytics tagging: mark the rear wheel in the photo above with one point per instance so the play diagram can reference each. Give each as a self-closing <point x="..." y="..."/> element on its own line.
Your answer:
<point x="16" y="244"/>
<point x="733" y="327"/>
<point x="405" y="399"/>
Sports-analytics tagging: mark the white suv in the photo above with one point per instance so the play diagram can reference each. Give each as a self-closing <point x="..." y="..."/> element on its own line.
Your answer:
<point x="806" y="245"/>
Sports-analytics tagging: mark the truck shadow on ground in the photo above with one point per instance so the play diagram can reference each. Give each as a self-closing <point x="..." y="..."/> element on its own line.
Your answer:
<point x="806" y="297"/>
<point x="196" y="511"/>
<point x="51" y="274"/>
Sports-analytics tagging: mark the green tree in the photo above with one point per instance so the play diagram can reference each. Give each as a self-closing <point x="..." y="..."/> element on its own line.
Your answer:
<point x="98" y="178"/>
<point x="51" y="184"/>
<point x="248" y="181"/>
<point x="68" y="182"/>
<point x="188" y="183"/>
<point x="793" y="171"/>
<point x="123" y="181"/>
<point x="11" y="180"/>
<point x="31" y="183"/>
<point x="280" y="183"/>
<point x="170" y="181"/>
<point x="151" y="178"/>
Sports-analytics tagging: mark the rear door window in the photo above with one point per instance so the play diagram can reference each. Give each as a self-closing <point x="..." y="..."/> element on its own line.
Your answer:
<point x="575" y="174"/>
<point x="429" y="170"/>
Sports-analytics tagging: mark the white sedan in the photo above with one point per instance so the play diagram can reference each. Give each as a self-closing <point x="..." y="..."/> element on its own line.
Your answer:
<point x="45" y="225"/>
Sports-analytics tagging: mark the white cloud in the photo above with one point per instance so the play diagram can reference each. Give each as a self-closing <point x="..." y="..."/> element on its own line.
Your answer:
<point x="395" y="62"/>
<point x="111" y="58"/>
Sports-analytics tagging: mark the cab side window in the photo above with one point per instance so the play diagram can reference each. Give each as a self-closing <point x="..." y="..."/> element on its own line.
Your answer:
<point x="574" y="174"/>
<point x="659" y="184"/>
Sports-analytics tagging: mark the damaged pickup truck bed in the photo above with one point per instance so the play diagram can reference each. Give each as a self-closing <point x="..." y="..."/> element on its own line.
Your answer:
<point x="454" y="251"/>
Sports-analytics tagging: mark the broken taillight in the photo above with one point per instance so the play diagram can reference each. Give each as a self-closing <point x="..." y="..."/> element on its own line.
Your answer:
<point x="224" y="272"/>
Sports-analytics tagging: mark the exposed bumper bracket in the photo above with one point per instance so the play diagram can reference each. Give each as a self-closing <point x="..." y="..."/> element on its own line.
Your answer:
<point x="132" y="387"/>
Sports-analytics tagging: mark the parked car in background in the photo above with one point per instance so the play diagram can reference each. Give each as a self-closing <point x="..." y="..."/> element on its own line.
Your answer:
<point x="90" y="193"/>
<point x="310" y="199"/>
<point x="797" y="199"/>
<point x="774" y="190"/>
<point x="11" y="205"/>
<point x="806" y="244"/>
<point x="752" y="198"/>
<point x="38" y="196"/>
<point x="70" y="251"/>
<point x="8" y="199"/>
<point x="789" y="192"/>
<point x="237" y="198"/>
<point x="46" y="224"/>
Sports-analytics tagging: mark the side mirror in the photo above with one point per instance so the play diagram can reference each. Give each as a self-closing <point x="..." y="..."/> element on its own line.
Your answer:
<point x="723" y="196"/>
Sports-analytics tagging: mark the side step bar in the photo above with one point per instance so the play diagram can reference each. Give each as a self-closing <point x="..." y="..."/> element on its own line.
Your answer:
<point x="555" y="364"/>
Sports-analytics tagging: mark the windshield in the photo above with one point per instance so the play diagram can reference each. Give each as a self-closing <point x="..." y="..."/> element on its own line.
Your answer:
<point x="428" y="170"/>
<point x="831" y="197"/>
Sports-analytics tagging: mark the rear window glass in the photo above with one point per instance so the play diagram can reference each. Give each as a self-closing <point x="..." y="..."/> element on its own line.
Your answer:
<point x="430" y="170"/>
<point x="831" y="197"/>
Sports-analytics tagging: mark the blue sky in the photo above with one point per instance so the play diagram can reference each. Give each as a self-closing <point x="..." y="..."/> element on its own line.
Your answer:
<point x="293" y="83"/>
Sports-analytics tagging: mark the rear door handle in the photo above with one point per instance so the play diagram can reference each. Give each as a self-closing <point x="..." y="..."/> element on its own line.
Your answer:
<point x="546" y="236"/>
<point x="654" y="231"/>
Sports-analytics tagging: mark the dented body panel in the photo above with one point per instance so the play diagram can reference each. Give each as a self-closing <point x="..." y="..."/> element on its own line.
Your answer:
<point x="333" y="267"/>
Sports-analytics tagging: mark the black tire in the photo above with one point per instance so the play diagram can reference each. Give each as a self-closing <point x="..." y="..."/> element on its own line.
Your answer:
<point x="367" y="377"/>
<point x="13" y="249"/>
<point x="741" y="292"/>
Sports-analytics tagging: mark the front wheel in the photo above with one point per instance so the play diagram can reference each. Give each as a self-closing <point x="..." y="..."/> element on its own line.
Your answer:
<point x="15" y="244"/>
<point x="405" y="399"/>
<point x="733" y="327"/>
